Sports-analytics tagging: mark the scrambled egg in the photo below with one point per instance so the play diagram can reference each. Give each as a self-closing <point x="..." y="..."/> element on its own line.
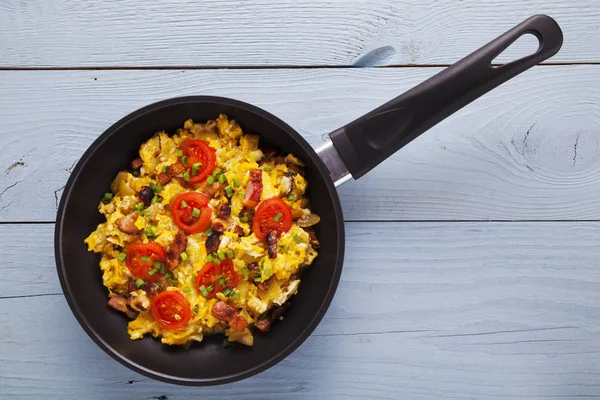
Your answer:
<point x="270" y="285"/>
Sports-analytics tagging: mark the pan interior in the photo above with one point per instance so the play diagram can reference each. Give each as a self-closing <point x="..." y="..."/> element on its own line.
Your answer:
<point x="207" y="362"/>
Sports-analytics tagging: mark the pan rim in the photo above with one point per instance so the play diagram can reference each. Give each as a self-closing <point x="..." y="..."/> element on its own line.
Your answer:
<point x="95" y="336"/>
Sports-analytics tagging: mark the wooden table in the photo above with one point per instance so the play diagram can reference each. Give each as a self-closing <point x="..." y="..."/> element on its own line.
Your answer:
<point x="472" y="255"/>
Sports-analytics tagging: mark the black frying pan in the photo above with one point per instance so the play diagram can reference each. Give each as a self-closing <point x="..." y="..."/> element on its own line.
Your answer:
<point x="355" y="149"/>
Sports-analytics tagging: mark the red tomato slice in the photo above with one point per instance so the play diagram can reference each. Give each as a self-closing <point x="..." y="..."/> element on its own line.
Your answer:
<point x="141" y="258"/>
<point x="272" y="215"/>
<point x="229" y="273"/>
<point x="207" y="277"/>
<point x="198" y="151"/>
<point x="171" y="310"/>
<point x="183" y="212"/>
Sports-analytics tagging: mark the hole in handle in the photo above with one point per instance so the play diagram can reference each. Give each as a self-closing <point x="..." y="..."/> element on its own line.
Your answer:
<point x="525" y="45"/>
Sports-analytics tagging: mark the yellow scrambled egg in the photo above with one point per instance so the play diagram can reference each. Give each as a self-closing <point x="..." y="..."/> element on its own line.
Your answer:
<point x="271" y="285"/>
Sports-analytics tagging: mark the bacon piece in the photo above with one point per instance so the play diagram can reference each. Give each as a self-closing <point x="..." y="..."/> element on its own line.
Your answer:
<point x="272" y="244"/>
<point x="175" y="249"/>
<point x="127" y="223"/>
<point x="224" y="210"/>
<point x="279" y="160"/>
<point x="212" y="243"/>
<point x="253" y="189"/>
<point x="296" y="169"/>
<point x="163" y="178"/>
<point x="262" y="286"/>
<point x="146" y="194"/>
<point x="314" y="242"/>
<point x="136" y="164"/>
<point x="217" y="226"/>
<point x="238" y="230"/>
<point x="120" y="303"/>
<point x="225" y="312"/>
<point x="248" y="212"/>
<point x="264" y="325"/>
<point x="279" y="311"/>
<point x="172" y="171"/>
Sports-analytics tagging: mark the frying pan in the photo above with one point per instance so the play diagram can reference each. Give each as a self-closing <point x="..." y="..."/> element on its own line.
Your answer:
<point x="354" y="150"/>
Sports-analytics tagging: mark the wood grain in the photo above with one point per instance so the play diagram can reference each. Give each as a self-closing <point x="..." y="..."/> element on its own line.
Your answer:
<point x="526" y="151"/>
<point x="436" y="311"/>
<point x="70" y="33"/>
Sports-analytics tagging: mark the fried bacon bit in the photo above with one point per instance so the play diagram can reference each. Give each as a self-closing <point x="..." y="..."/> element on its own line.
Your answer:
<point x="264" y="325"/>
<point x="136" y="164"/>
<point x="277" y="312"/>
<point x="151" y="288"/>
<point x="262" y="286"/>
<point x="175" y="249"/>
<point x="253" y="189"/>
<point x="247" y="212"/>
<point x="172" y="171"/>
<point x="163" y="178"/>
<point x="120" y="303"/>
<point x="252" y="266"/>
<point x="314" y="242"/>
<point x="269" y="152"/>
<point x="296" y="169"/>
<point x="127" y="223"/>
<point x="217" y="226"/>
<point x="225" y="312"/>
<point x="212" y="243"/>
<point x="279" y="160"/>
<point x="272" y="244"/>
<point x="224" y="210"/>
<point x="146" y="194"/>
<point x="238" y="230"/>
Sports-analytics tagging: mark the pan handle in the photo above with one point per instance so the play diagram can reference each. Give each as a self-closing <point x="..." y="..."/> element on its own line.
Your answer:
<point x="367" y="141"/>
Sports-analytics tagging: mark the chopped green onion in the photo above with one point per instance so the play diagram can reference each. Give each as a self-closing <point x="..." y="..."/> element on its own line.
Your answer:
<point x="197" y="165"/>
<point x="145" y="259"/>
<point x="208" y="232"/>
<point x="186" y="176"/>
<point x="221" y="256"/>
<point x="267" y="169"/>
<point x="184" y="160"/>
<point x="156" y="199"/>
<point x="262" y="262"/>
<point x="277" y="216"/>
<point x="297" y="239"/>
<point x="139" y="208"/>
<point x="221" y="280"/>
<point x="256" y="272"/>
<point x="245" y="271"/>
<point x="153" y="271"/>
<point x="195" y="168"/>
<point x="122" y="257"/>
<point x="179" y="153"/>
<point x="164" y="169"/>
<point x="162" y="269"/>
<point x="203" y="291"/>
<point x="216" y="173"/>
<point x="195" y="309"/>
<point x="183" y="204"/>
<point x="235" y="296"/>
<point x="292" y="197"/>
<point x="210" y="180"/>
<point x="187" y="289"/>
<point x="107" y="198"/>
<point x="229" y="191"/>
<point x="157" y="265"/>
<point x="195" y="212"/>
<point x="258" y="279"/>
<point x="157" y="188"/>
<point x="216" y="260"/>
<point x="210" y="288"/>
<point x="229" y="253"/>
<point x="244" y="218"/>
<point x="147" y="212"/>
<point x="150" y="231"/>
<point x="283" y="249"/>
<point x="241" y="192"/>
<point x="267" y="271"/>
<point x="183" y="256"/>
<point x="227" y="291"/>
<point x="139" y="283"/>
<point x="209" y="258"/>
<point x="226" y="343"/>
<point x="221" y="178"/>
<point x="236" y="182"/>
<point x="136" y="173"/>
<point x="171" y="278"/>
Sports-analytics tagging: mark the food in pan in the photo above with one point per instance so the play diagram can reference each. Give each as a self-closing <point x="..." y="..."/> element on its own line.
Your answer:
<point x="208" y="232"/>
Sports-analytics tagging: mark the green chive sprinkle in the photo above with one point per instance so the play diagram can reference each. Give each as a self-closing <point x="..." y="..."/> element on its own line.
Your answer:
<point x="208" y="232"/>
<point x="277" y="216"/>
<point x="262" y="262"/>
<point x="197" y="165"/>
<point x="139" y="283"/>
<point x="164" y="169"/>
<point x="179" y="153"/>
<point x="221" y="256"/>
<point x="258" y="279"/>
<point x="244" y="218"/>
<point x="210" y="288"/>
<point x="195" y="309"/>
<point x="229" y="191"/>
<point x="245" y="271"/>
<point x="162" y="269"/>
<point x="122" y="257"/>
<point x="297" y="239"/>
<point x="147" y="212"/>
<point x="209" y="258"/>
<point x="195" y="212"/>
<point x="187" y="289"/>
<point x="210" y="180"/>
<point x="107" y="198"/>
<point x="158" y="188"/>
<point x="203" y="291"/>
<point x="236" y="182"/>
<point x="183" y="256"/>
<point x="267" y="169"/>
<point x="183" y="204"/>
<point x="267" y="271"/>
<point x="216" y="173"/>
<point x="152" y="271"/>
<point x="155" y="199"/>
<point x="221" y="178"/>
<point x="284" y="249"/>
<point x="229" y="253"/>
<point x="221" y="280"/>
<point x="150" y="231"/>
<point x="292" y="197"/>
<point x="186" y="176"/>
<point x="136" y="173"/>
<point x="235" y="296"/>
<point x="157" y="265"/>
<point x="241" y="192"/>
<point x="145" y="259"/>
<point x="227" y="291"/>
<point x="216" y="260"/>
<point x="184" y="161"/>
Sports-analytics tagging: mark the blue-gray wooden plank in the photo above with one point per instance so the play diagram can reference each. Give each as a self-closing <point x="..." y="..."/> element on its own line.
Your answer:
<point x="68" y="33"/>
<point x="434" y="311"/>
<point x="525" y="151"/>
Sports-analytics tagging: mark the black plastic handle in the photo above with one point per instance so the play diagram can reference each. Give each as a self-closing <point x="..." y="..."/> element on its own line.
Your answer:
<point x="367" y="141"/>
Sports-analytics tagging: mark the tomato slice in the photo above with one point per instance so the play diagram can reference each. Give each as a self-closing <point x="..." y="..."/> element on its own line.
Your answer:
<point x="141" y="258"/>
<point x="229" y="274"/>
<point x="208" y="276"/>
<point x="272" y="215"/>
<point x="198" y="151"/>
<point x="171" y="310"/>
<point x="183" y="213"/>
